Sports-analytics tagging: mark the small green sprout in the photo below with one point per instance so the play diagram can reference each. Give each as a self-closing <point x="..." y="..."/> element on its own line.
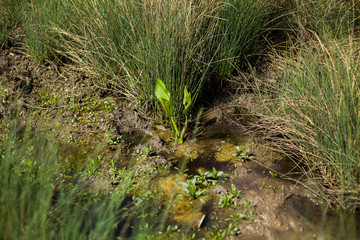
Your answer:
<point x="225" y="201"/>
<point x="109" y="105"/>
<point x="248" y="212"/>
<point x="113" y="140"/>
<point x="212" y="177"/>
<point x="243" y="154"/>
<point x="273" y="174"/>
<point x="230" y="199"/>
<point x="94" y="165"/>
<point x="215" y="174"/>
<point x="192" y="188"/>
<point x="235" y="192"/>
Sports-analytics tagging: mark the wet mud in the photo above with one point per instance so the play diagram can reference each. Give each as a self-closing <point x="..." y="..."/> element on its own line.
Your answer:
<point x="271" y="204"/>
<point x="278" y="206"/>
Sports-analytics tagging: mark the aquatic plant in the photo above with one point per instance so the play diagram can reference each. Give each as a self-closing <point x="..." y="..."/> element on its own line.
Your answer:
<point x="243" y="154"/>
<point x="163" y="95"/>
<point x="273" y="174"/>
<point x="226" y="201"/>
<point x="230" y="199"/>
<point x="192" y="188"/>
<point x="205" y="178"/>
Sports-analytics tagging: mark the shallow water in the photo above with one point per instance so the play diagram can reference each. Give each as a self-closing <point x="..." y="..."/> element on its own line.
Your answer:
<point x="276" y="207"/>
<point x="272" y="205"/>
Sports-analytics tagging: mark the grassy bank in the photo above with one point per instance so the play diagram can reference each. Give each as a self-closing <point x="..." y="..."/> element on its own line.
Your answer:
<point x="318" y="98"/>
<point x="320" y="103"/>
<point x="10" y="18"/>
<point x="127" y="45"/>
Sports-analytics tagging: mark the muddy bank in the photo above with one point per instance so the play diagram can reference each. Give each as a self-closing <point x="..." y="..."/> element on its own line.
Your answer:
<point x="257" y="196"/>
<point x="269" y="205"/>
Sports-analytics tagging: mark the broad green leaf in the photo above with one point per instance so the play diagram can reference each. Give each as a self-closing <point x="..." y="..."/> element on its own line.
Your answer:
<point x="163" y="95"/>
<point x="161" y="90"/>
<point x="186" y="101"/>
<point x="214" y="172"/>
<point x="169" y="107"/>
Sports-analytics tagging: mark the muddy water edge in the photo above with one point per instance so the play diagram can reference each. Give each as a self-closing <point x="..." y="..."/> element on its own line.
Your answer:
<point x="241" y="189"/>
<point x="260" y="197"/>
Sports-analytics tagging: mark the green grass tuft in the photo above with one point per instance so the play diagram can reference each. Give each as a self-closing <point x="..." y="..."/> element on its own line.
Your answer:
<point x="127" y="45"/>
<point x="320" y="103"/>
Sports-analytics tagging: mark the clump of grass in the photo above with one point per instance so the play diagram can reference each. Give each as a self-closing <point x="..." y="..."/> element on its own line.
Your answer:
<point x="242" y="25"/>
<point x="41" y="17"/>
<point x="11" y="12"/>
<point x="316" y="107"/>
<point x="328" y="18"/>
<point x="320" y="106"/>
<point x="127" y="45"/>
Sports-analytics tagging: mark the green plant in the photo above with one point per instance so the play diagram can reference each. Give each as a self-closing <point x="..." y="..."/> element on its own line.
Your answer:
<point x="243" y="154"/>
<point x="47" y="100"/>
<point x="109" y="105"/>
<point x="236" y="217"/>
<point x="318" y="110"/>
<point x="273" y="174"/>
<point x="248" y="211"/>
<point x="328" y="18"/>
<point x="115" y="174"/>
<point x="235" y="192"/>
<point x="215" y="174"/>
<point x="243" y="23"/>
<point x="112" y="140"/>
<point x="192" y="188"/>
<point x="223" y="233"/>
<point x="145" y="151"/>
<point x="163" y="95"/>
<point x="262" y="185"/>
<point x="230" y="199"/>
<point x="11" y="13"/>
<point x="207" y="178"/>
<point x="226" y="201"/>
<point x="94" y="165"/>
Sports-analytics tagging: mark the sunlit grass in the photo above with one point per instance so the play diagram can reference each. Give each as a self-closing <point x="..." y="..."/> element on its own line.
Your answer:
<point x="328" y="18"/>
<point x="319" y="101"/>
<point x="10" y="18"/>
<point x="127" y="45"/>
<point x="241" y="28"/>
